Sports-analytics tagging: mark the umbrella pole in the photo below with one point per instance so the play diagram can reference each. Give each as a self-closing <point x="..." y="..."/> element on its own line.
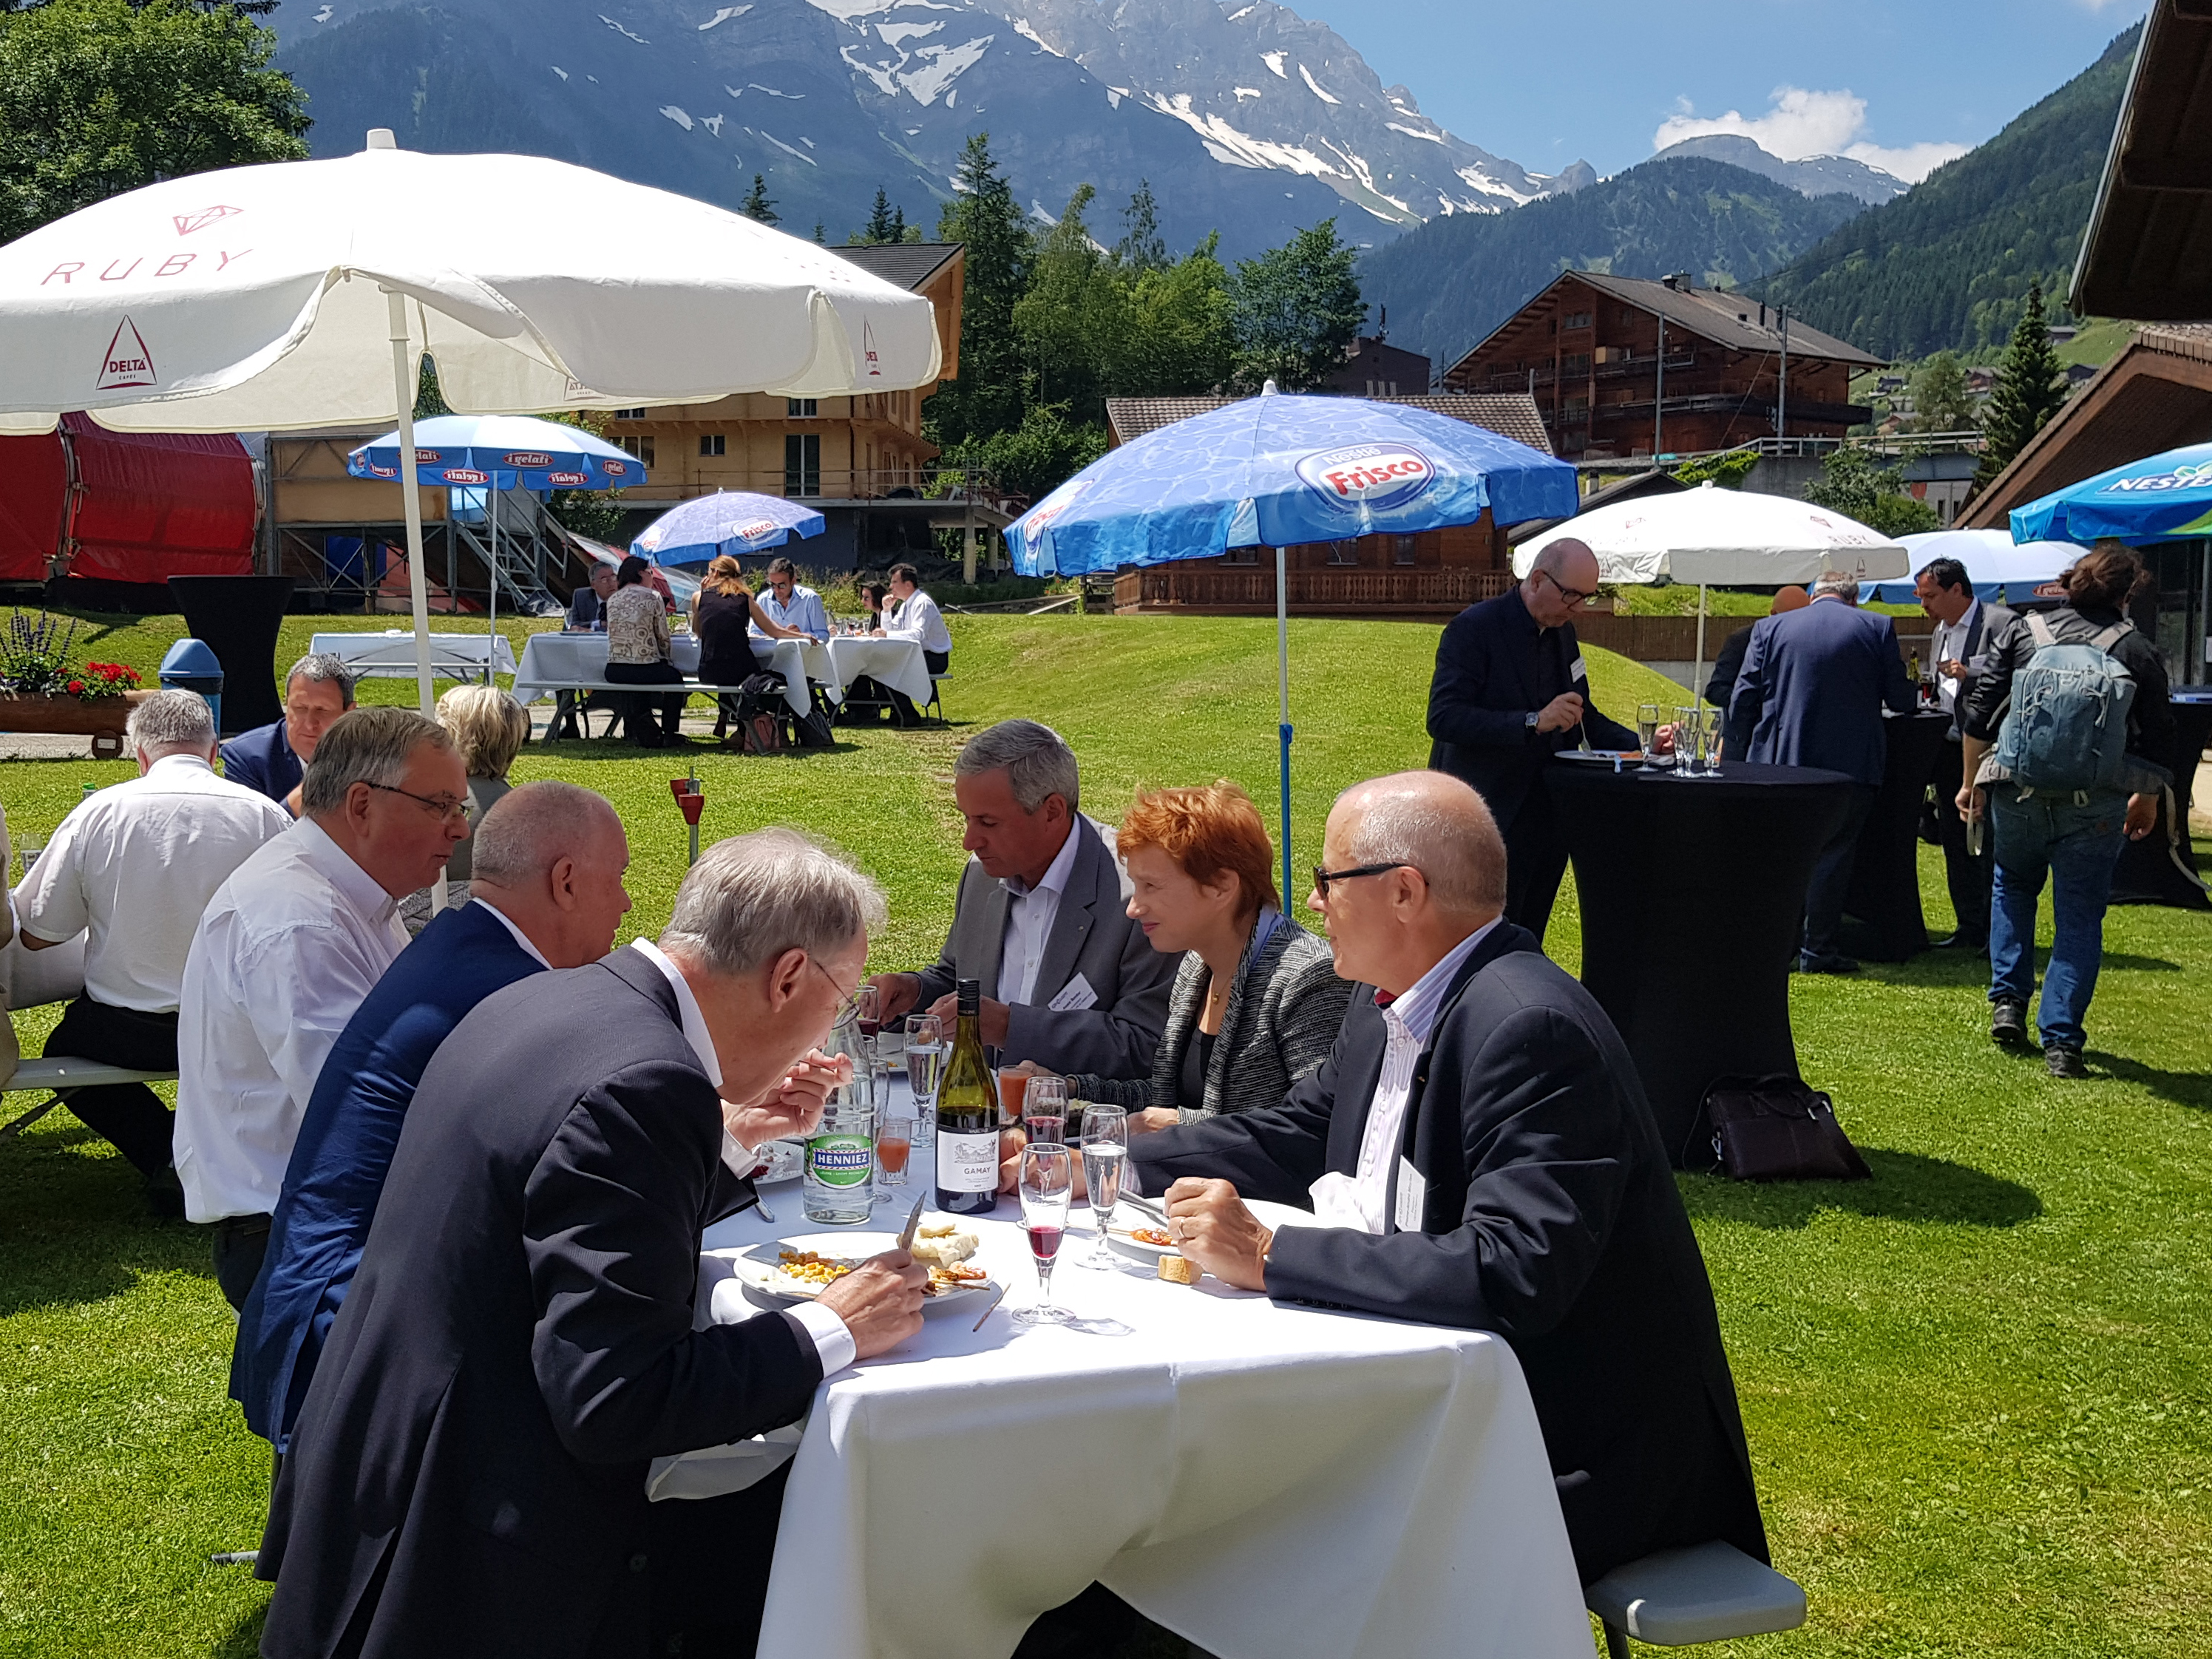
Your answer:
<point x="411" y="499"/>
<point x="491" y="592"/>
<point x="1283" y="698"/>
<point x="1698" y="674"/>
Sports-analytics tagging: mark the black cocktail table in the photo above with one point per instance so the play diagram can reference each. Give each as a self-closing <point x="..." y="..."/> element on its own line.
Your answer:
<point x="1692" y="894"/>
<point x="1885" y="889"/>
<point x="2161" y="867"/>
<point x="239" y="617"/>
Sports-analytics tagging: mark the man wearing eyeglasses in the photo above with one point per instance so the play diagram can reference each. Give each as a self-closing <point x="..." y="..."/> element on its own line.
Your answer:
<point x="284" y="953"/>
<point x="1510" y="692"/>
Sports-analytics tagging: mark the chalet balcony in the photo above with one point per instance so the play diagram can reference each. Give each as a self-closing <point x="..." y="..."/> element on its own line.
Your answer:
<point x="1208" y="589"/>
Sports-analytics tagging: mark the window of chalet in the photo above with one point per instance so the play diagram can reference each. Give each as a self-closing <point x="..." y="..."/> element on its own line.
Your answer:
<point x="799" y="408"/>
<point x="712" y="443"/>
<point x="1241" y="555"/>
<point x="1404" y="550"/>
<point x="637" y="414"/>
<point x="638" y="448"/>
<point x="802" y="464"/>
<point x="1577" y="320"/>
<point x="1575" y="362"/>
<point x="1343" y="552"/>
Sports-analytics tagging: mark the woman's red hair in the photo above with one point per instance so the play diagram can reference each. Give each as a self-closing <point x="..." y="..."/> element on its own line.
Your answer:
<point x="1206" y="831"/>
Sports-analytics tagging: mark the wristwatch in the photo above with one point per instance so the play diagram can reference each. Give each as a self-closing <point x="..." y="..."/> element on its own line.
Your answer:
<point x="1529" y="720"/>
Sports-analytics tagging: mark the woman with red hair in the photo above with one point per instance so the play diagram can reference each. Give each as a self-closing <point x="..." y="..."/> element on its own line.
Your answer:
<point x="1256" y="1003"/>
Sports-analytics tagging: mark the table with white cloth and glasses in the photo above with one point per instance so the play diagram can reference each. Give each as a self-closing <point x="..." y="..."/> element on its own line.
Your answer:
<point x="553" y="662"/>
<point x="1268" y="1481"/>
<point x="897" y="663"/>
<point x="389" y="655"/>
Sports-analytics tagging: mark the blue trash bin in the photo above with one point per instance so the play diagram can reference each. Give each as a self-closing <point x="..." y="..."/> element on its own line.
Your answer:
<point x="188" y="666"/>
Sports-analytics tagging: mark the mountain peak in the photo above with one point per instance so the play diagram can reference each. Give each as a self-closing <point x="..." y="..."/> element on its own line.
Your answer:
<point x="1813" y="175"/>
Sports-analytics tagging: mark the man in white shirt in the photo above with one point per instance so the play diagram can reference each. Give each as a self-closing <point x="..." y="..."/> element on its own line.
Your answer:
<point x="791" y="604"/>
<point x="1958" y="653"/>
<point x="132" y="868"/>
<point x="915" y="615"/>
<point x="288" y="948"/>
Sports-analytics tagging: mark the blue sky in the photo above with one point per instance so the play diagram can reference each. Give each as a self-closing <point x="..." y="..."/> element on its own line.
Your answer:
<point x="1902" y="83"/>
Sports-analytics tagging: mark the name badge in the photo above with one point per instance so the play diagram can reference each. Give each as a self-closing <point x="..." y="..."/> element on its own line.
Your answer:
<point x="1413" y="1197"/>
<point x="1074" y="997"/>
<point x="1576" y="671"/>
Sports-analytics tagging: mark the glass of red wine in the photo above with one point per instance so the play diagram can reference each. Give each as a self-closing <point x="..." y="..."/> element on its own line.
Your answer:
<point x="1046" y="1183"/>
<point x="868" y="1008"/>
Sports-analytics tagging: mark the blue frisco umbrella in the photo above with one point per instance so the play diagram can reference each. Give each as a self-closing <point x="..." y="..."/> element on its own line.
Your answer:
<point x="1277" y="471"/>
<point x="733" y="522"/>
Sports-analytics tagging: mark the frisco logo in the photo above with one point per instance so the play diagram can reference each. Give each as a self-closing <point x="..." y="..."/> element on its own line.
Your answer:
<point x="1053" y="506"/>
<point x="127" y="362"/>
<point x="526" y="458"/>
<point x="1368" y="475"/>
<point x="759" y="531"/>
<point x="2182" y="478"/>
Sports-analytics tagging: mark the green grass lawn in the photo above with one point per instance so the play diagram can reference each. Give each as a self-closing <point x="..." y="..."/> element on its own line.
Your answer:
<point x="1975" y="1387"/>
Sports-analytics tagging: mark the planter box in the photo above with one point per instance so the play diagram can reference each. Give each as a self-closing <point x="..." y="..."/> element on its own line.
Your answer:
<point x="101" y="719"/>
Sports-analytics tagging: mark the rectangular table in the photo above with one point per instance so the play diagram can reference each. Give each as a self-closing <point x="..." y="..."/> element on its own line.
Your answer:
<point x="552" y="662"/>
<point x="898" y="664"/>
<point x="1270" y="1482"/>
<point x="390" y="654"/>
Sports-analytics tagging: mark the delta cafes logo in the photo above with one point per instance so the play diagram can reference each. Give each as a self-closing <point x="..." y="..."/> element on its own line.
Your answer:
<point x="1375" y="476"/>
<point x="127" y="362"/>
<point x="2196" y="476"/>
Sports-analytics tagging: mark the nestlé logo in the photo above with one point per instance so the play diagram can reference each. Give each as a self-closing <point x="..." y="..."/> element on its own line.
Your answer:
<point x="1368" y="475"/>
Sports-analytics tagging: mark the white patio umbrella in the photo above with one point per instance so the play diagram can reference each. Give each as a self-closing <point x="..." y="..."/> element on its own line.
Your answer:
<point x="1718" y="537"/>
<point x="304" y="293"/>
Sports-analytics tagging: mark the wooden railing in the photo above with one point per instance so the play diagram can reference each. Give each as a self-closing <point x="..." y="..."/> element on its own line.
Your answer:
<point x="1214" y="587"/>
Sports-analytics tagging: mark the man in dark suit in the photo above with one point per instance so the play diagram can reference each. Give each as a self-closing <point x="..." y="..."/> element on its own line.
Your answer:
<point x="1720" y="688"/>
<point x="273" y="758"/>
<point x="587" y="606"/>
<point x="468" y="1472"/>
<point x="1812" y="691"/>
<point x="1069" y="980"/>
<point x="1510" y="692"/>
<point x="1965" y="629"/>
<point x="547" y="893"/>
<point x="1482" y="1155"/>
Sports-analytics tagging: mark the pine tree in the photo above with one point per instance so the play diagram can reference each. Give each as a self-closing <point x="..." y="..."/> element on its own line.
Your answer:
<point x="983" y="215"/>
<point x="758" y="204"/>
<point x="1295" y="309"/>
<point x="882" y="227"/>
<point x="1940" y="400"/>
<point x="1141" y="247"/>
<point x="2029" y="389"/>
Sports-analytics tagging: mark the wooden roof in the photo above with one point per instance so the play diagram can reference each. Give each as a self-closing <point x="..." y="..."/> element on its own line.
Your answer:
<point x="1511" y="414"/>
<point x="2147" y="252"/>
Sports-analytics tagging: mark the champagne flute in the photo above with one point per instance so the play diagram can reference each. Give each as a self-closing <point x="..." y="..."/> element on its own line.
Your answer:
<point x="1647" y="733"/>
<point x="1105" y="1154"/>
<point x="1689" y="728"/>
<point x="1716" y="718"/>
<point x="1046" y="1183"/>
<point x="1044" y="1109"/>
<point x="925" y="1058"/>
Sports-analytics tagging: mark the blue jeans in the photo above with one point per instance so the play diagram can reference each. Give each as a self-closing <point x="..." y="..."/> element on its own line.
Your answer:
<point x="2078" y="847"/>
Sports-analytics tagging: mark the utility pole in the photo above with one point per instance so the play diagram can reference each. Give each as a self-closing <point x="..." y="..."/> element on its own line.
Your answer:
<point x="1659" y="400"/>
<point x="1782" y="389"/>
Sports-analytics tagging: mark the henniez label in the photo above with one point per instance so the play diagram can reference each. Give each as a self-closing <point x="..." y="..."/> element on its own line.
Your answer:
<point x="968" y="1163"/>
<point x="840" y="1160"/>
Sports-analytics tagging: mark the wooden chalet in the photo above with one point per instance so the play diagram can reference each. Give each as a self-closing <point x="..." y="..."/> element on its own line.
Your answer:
<point x="1589" y="351"/>
<point x="1432" y="575"/>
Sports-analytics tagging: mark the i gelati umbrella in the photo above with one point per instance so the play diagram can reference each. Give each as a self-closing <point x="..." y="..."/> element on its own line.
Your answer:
<point x="733" y="522"/>
<point x="1277" y="471"/>
<point x="1999" y="569"/>
<point x="2160" y="498"/>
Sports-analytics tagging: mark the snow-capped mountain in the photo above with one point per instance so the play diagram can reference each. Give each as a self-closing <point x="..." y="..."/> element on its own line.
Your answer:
<point x="1813" y="175"/>
<point x="1245" y="117"/>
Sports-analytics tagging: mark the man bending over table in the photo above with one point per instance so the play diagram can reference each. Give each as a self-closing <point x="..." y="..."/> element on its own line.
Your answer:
<point x="1493" y="1167"/>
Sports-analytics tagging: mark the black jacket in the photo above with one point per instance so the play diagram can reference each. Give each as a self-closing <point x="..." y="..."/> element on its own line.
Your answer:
<point x="1552" y="1219"/>
<point x="2151" y="733"/>
<point x="468" y="1472"/>
<point x="1494" y="668"/>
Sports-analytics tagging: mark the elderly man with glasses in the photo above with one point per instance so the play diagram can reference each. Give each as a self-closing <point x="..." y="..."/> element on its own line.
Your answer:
<point x="284" y="953"/>
<point x="1511" y="691"/>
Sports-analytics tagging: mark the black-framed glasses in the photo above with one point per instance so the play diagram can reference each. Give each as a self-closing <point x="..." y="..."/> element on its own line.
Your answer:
<point x="1571" y="596"/>
<point x="849" y="1002"/>
<point x="1322" y="877"/>
<point x="447" y="810"/>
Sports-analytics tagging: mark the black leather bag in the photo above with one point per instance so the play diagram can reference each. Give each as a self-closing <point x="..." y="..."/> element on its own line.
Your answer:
<point x="1775" y="1129"/>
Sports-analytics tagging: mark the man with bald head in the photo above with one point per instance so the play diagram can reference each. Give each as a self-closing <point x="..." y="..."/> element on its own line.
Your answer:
<point x="1510" y="692"/>
<point x="546" y="892"/>
<point x="1479" y="1153"/>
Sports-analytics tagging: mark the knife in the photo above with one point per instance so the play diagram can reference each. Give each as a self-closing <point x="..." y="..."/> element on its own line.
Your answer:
<point x="1146" y="1207"/>
<point x="913" y="1224"/>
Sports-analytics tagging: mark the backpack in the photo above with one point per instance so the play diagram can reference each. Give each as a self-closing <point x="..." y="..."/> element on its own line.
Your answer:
<point x="760" y="716"/>
<point x="2068" y="728"/>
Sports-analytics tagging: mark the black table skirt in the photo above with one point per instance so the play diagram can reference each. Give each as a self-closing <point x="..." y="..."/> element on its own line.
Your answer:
<point x="1885" y="889"/>
<point x="1692" y="894"/>
<point x="2161" y="867"/>
<point x="237" y="618"/>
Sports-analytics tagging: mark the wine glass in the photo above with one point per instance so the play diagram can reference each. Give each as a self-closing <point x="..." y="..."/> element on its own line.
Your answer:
<point x="1046" y="1183"/>
<point x="925" y="1058"/>
<point x="1044" y="1109"/>
<point x="868" y="1009"/>
<point x="1105" y="1154"/>
<point x="1647" y="733"/>
<point x="1716" y="717"/>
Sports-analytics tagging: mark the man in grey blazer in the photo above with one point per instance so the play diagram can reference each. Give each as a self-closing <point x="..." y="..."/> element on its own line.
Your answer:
<point x="1958" y="653"/>
<point x="1068" y="980"/>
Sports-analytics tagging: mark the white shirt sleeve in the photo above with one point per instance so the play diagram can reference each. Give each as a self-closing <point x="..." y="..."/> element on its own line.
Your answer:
<point x="50" y="900"/>
<point x="832" y="1343"/>
<point x="741" y="1158"/>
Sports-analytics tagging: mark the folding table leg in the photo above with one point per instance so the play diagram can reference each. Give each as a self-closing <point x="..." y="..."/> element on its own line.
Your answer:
<point x="15" y="1126"/>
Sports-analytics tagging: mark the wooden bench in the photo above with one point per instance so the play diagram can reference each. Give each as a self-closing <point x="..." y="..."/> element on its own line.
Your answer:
<point x="564" y="689"/>
<point x="65" y="1075"/>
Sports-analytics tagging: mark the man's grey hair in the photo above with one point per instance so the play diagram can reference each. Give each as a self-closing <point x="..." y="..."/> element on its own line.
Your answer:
<point x="1035" y="759"/>
<point x="1439" y="826"/>
<point x="171" y="720"/>
<point x="367" y="746"/>
<point x="1843" y="584"/>
<point x="320" y="666"/>
<point x="530" y="830"/>
<point x="752" y="897"/>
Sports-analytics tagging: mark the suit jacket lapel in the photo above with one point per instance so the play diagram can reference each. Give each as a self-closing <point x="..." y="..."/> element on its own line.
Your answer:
<point x="1072" y="922"/>
<point x="987" y="947"/>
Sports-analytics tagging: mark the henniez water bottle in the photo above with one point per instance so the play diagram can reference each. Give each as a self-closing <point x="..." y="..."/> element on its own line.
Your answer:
<point x="967" y="1116"/>
<point x="836" y="1187"/>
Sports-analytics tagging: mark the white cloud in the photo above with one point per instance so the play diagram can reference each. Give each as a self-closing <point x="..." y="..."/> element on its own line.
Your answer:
<point x="1799" y="123"/>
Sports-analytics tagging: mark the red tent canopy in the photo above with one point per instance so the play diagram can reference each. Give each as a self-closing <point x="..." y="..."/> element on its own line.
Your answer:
<point x="132" y="507"/>
<point x="33" y="500"/>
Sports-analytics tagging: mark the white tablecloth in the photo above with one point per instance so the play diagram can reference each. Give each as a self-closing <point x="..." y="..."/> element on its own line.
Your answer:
<point x="551" y="659"/>
<point x="390" y="655"/>
<point x="1269" y="1482"/>
<point x="896" y="663"/>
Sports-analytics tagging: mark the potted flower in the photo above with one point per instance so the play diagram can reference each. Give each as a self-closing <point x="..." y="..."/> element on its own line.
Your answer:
<point x="40" y="692"/>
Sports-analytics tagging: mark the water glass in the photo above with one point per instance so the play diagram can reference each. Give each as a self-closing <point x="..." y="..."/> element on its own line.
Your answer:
<point x="1044" y="1109"/>
<point x="841" y="1157"/>
<point x="894" y="1142"/>
<point x="1046" y="1183"/>
<point x="1647" y="733"/>
<point x="1105" y="1155"/>
<point x="1715" y="718"/>
<point x="925" y="1058"/>
<point x="1689" y="736"/>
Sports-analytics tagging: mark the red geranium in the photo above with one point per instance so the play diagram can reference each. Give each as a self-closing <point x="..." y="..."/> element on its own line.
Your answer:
<point x="76" y="688"/>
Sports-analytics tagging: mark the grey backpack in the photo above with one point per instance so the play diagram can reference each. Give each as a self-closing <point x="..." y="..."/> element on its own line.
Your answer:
<point x="2068" y="729"/>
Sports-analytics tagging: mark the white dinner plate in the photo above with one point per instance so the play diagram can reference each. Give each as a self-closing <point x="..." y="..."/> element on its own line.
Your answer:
<point x="786" y="1158"/>
<point x="759" y="1270"/>
<point x="1277" y="1216"/>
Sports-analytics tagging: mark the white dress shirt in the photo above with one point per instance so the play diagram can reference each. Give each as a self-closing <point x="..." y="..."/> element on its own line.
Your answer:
<point x="833" y="1342"/>
<point x="1030" y="915"/>
<point x="804" y="612"/>
<point x="1950" y="644"/>
<point x="1360" y="1200"/>
<point x="149" y="855"/>
<point x="917" y="618"/>
<point x="507" y="922"/>
<point x="287" y="949"/>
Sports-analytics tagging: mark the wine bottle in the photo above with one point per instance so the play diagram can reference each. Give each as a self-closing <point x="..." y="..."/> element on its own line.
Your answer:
<point x="967" y="1116"/>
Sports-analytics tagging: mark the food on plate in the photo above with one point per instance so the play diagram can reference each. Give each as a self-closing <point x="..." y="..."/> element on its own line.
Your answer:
<point x="1150" y="1235"/>
<point x="1179" y="1270"/>
<point x="809" y="1267"/>
<point x="957" y="1277"/>
<point x="945" y="1244"/>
